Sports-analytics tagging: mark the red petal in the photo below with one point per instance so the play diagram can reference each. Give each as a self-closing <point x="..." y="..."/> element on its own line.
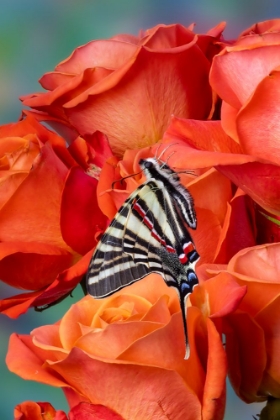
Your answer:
<point x="31" y="265"/>
<point x="94" y="149"/>
<point x="18" y="305"/>
<point x="238" y="232"/>
<point x="246" y="353"/>
<point x="253" y="64"/>
<point x="81" y="218"/>
<point x="156" y="393"/>
<point x="262" y="27"/>
<point x="109" y="53"/>
<point x="215" y="384"/>
<point x="22" y="349"/>
<point x="202" y="135"/>
<point x="268" y="319"/>
<point x="218" y="296"/>
<point x="260" y="262"/>
<point x="33" y="211"/>
<point x="65" y="282"/>
<point x="60" y="287"/>
<point x="258" y="124"/>
<point x="85" y="411"/>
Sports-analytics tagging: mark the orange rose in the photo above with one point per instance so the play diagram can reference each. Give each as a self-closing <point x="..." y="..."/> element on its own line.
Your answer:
<point x="252" y="331"/>
<point x="250" y="107"/>
<point x="128" y="87"/>
<point x="224" y="215"/>
<point x="49" y="215"/>
<point x="244" y="144"/>
<point x="250" y="115"/>
<point x="126" y="352"/>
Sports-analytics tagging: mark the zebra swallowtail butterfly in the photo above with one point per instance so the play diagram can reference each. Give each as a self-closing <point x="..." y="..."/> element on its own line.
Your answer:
<point x="148" y="234"/>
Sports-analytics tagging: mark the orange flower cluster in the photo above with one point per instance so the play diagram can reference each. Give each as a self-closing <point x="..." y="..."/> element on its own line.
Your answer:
<point x="214" y="107"/>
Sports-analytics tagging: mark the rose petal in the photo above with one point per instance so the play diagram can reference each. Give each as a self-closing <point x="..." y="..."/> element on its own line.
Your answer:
<point x="247" y="357"/>
<point x="230" y="64"/>
<point x="113" y="53"/>
<point x="214" y="390"/>
<point x="260" y="116"/>
<point x="238" y="231"/>
<point x="25" y="216"/>
<point x="156" y="392"/>
<point x="19" y="304"/>
<point x="29" y="410"/>
<point x="21" y="348"/>
<point x="204" y="158"/>
<point x="203" y="135"/>
<point x="103" y="344"/>
<point x="31" y="265"/>
<point x="262" y="27"/>
<point x="65" y="282"/>
<point x="268" y="319"/>
<point x="59" y="288"/>
<point x="219" y="296"/>
<point x="228" y="120"/>
<point x="259" y="263"/>
<point x="149" y="350"/>
<point x="85" y="411"/>
<point x="261" y="181"/>
<point x="81" y="219"/>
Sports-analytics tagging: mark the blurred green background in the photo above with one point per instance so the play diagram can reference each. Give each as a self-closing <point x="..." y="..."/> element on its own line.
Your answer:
<point x="37" y="34"/>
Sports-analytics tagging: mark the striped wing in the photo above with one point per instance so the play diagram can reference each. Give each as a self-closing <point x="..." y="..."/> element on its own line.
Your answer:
<point x="146" y="236"/>
<point x="128" y="251"/>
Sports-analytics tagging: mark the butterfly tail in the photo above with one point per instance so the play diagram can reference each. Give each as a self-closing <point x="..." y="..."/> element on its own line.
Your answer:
<point x="183" y="300"/>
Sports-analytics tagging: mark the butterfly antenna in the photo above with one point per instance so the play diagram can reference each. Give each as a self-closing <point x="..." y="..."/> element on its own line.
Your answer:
<point x="125" y="177"/>
<point x="157" y="151"/>
<point x="171" y="154"/>
<point x="190" y="172"/>
<point x="164" y="150"/>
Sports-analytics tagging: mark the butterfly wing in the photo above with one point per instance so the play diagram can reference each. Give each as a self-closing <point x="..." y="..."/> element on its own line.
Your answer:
<point x="125" y="253"/>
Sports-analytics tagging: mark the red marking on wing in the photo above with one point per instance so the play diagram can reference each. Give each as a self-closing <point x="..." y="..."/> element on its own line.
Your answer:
<point x="149" y="224"/>
<point x="170" y="249"/>
<point x="188" y="247"/>
<point x="138" y="208"/>
<point x="183" y="258"/>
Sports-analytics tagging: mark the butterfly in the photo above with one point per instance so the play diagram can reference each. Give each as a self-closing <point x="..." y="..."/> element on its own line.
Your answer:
<point x="149" y="235"/>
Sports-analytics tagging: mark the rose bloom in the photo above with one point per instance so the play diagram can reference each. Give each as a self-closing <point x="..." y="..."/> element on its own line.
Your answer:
<point x="224" y="213"/>
<point x="246" y="77"/>
<point x="49" y="217"/>
<point x="129" y="86"/>
<point x="244" y="144"/>
<point x="126" y="352"/>
<point x="250" y="114"/>
<point x="252" y="331"/>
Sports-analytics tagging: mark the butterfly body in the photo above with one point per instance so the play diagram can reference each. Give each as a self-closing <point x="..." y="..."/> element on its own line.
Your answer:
<point x="148" y="234"/>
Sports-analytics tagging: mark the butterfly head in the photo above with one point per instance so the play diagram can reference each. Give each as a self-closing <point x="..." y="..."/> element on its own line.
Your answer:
<point x="153" y="168"/>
